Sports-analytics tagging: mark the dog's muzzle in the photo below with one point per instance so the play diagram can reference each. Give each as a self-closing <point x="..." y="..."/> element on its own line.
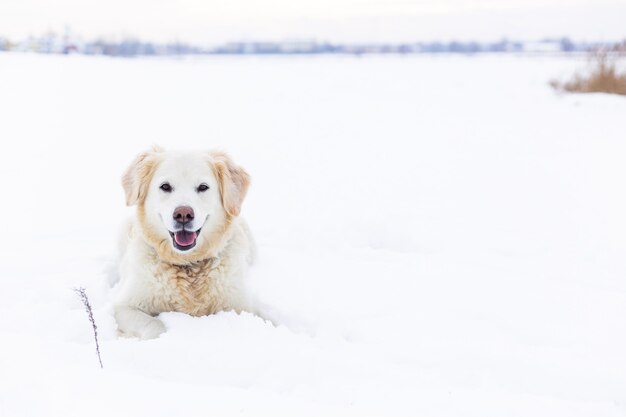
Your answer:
<point x="184" y="239"/>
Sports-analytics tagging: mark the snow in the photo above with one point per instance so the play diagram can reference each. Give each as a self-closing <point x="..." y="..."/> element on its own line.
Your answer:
<point x="438" y="236"/>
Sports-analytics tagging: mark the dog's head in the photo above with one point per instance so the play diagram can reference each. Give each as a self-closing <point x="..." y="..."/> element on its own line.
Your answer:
<point x="186" y="200"/>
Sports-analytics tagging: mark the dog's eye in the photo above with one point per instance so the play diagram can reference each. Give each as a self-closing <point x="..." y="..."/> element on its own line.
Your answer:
<point x="166" y="187"/>
<point x="202" y="188"/>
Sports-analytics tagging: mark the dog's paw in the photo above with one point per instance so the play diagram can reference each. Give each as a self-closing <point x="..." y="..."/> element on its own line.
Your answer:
<point x="153" y="329"/>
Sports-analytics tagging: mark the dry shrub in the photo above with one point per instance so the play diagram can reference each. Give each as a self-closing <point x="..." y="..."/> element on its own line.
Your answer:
<point x="604" y="75"/>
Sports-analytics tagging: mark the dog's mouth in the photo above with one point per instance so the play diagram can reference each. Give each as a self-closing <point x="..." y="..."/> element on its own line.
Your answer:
<point x="184" y="240"/>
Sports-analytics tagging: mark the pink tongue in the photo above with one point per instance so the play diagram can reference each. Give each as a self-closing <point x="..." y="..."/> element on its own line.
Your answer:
<point x="185" y="238"/>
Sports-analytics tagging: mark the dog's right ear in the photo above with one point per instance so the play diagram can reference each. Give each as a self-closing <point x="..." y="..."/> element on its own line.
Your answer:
<point x="137" y="177"/>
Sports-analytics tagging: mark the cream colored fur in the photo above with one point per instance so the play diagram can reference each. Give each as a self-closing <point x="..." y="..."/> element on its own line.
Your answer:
<point x="155" y="277"/>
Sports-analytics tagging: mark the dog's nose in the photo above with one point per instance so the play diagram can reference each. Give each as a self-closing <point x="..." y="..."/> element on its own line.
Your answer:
<point x="183" y="214"/>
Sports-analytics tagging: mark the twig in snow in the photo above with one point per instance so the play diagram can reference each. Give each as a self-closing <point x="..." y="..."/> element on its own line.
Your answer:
<point x="83" y="297"/>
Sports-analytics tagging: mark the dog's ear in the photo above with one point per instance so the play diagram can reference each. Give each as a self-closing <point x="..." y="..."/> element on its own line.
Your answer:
<point x="234" y="182"/>
<point x="138" y="175"/>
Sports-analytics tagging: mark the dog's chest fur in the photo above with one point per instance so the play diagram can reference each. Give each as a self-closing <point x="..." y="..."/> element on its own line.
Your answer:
<point x="194" y="289"/>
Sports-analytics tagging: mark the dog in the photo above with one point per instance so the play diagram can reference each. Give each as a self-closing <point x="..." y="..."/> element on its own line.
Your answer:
<point x="186" y="249"/>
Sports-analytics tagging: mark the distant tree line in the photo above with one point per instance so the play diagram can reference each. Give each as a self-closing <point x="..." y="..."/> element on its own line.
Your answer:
<point x="52" y="43"/>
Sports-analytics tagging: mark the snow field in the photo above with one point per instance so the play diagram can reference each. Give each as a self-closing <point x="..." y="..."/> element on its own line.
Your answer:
<point x="440" y="236"/>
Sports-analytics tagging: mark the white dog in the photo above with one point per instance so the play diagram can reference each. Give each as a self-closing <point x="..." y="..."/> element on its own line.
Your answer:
<point x="186" y="250"/>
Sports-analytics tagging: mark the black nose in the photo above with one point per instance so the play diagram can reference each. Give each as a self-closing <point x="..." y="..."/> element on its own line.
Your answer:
<point x="183" y="214"/>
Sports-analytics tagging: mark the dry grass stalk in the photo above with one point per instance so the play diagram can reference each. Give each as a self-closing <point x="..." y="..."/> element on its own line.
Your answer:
<point x="83" y="297"/>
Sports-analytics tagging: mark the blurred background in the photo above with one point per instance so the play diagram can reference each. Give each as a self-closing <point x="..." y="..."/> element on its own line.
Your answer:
<point x="306" y="26"/>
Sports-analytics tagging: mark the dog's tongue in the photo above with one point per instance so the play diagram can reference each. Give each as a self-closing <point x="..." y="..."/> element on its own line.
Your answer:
<point x="185" y="237"/>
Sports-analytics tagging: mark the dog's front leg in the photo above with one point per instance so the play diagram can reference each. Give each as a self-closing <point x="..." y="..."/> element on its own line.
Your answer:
<point x="135" y="323"/>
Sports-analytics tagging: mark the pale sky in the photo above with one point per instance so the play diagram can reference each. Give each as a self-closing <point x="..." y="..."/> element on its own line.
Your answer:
<point x="214" y="21"/>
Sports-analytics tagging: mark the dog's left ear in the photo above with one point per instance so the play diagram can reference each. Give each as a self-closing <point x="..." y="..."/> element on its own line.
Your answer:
<point x="234" y="182"/>
<point x="138" y="175"/>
